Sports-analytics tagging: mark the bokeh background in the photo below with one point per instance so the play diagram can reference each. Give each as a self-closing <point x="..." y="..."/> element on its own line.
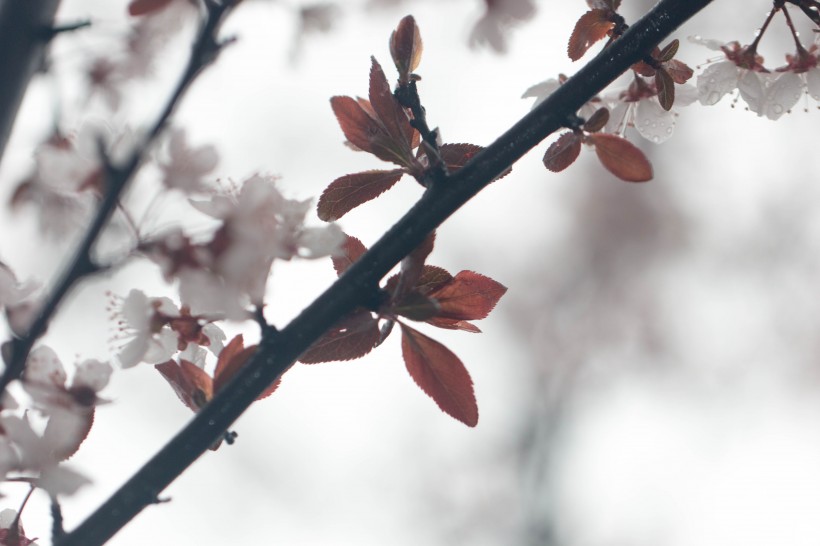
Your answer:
<point x="651" y="377"/>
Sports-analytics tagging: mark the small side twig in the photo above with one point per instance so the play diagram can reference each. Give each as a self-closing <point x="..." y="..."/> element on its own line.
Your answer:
<point x="408" y="96"/>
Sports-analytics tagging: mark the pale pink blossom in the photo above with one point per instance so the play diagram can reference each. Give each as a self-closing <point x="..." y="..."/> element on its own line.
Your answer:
<point x="258" y="225"/>
<point x="186" y="167"/>
<point x="156" y="329"/>
<point x="500" y="15"/>
<point x="149" y="340"/>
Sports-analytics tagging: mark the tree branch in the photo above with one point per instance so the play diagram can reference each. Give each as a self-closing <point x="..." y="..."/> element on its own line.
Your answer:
<point x="278" y="352"/>
<point x="25" y="30"/>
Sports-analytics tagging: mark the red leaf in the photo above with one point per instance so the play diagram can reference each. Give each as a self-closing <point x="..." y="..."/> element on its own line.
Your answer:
<point x="597" y="121"/>
<point x="143" y="7"/>
<point x="591" y="27"/>
<point x="388" y="109"/>
<point x="353" y="249"/>
<point x="668" y="52"/>
<point x="406" y="47"/>
<point x="350" y="191"/>
<point x="191" y="384"/>
<point x="440" y="374"/>
<point x="357" y="125"/>
<point x="432" y="277"/>
<point x="680" y="72"/>
<point x="666" y="89"/>
<point x="469" y="296"/>
<point x="412" y="266"/>
<point x="232" y="357"/>
<point x="452" y="324"/>
<point x="621" y="157"/>
<point x="416" y="307"/>
<point x="456" y="156"/>
<point x="352" y="337"/>
<point x="563" y="152"/>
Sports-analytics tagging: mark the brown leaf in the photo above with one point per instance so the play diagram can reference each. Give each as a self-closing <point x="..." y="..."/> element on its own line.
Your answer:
<point x="412" y="265"/>
<point x="392" y="114"/>
<point x="563" y="152"/>
<point x="406" y="47"/>
<point x="349" y="191"/>
<point x="597" y="121"/>
<point x="456" y="156"/>
<point x="666" y="89"/>
<point x="416" y="307"/>
<point x="144" y="7"/>
<point x="469" y="296"/>
<point x="591" y="27"/>
<point x="191" y="384"/>
<point x="352" y="337"/>
<point x="668" y="52"/>
<point x="452" y="324"/>
<point x="231" y="359"/>
<point x="440" y="374"/>
<point x="621" y="157"/>
<point x="352" y="250"/>
<point x="358" y="126"/>
<point x="680" y="72"/>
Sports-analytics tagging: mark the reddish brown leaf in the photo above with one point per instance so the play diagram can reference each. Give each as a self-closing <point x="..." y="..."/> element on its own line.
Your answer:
<point x="352" y="250"/>
<point x="452" y="324"/>
<point x="406" y="47"/>
<point x="678" y="71"/>
<point x="432" y="278"/>
<point x="416" y="307"/>
<point x="231" y="359"/>
<point x="643" y="69"/>
<point x="191" y="384"/>
<point x="668" y="52"/>
<point x="440" y="374"/>
<point x="143" y="7"/>
<point x="352" y="337"/>
<point x="597" y="121"/>
<point x="350" y="191"/>
<point x="391" y="114"/>
<point x="666" y="89"/>
<point x="456" y="156"/>
<point x="469" y="296"/>
<point x="359" y="127"/>
<point x="621" y="157"/>
<point x="563" y="152"/>
<point x="591" y="27"/>
<point x="412" y="266"/>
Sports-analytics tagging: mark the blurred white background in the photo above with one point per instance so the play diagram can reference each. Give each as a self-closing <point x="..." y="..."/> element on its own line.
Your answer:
<point x="649" y="378"/>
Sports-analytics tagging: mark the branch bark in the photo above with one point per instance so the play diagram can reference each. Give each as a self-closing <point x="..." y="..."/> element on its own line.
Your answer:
<point x="25" y="30"/>
<point x="279" y="350"/>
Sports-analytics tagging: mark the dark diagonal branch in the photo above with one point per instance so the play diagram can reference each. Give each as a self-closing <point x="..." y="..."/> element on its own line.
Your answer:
<point x="25" y="30"/>
<point x="204" y="52"/>
<point x="278" y="352"/>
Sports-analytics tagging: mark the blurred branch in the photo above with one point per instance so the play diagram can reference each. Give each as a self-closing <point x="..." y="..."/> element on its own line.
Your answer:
<point x="204" y="51"/>
<point x="25" y="31"/>
<point x="279" y="350"/>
